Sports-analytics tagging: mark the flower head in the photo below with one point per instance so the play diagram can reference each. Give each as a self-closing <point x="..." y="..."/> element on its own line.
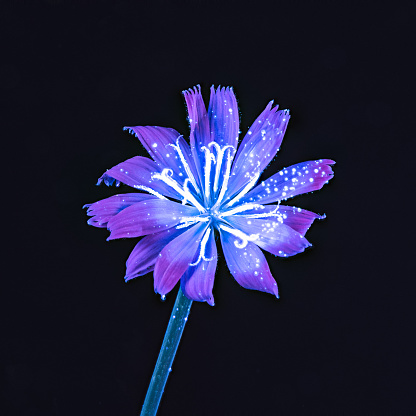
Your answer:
<point x="190" y="192"/>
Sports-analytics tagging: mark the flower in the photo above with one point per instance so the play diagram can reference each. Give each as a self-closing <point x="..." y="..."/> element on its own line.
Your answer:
<point x="192" y="192"/>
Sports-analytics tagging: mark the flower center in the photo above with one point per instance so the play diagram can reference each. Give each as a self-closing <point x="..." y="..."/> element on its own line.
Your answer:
<point x="214" y="215"/>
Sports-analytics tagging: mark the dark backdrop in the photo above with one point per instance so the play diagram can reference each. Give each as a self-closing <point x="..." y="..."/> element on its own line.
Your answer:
<point x="77" y="340"/>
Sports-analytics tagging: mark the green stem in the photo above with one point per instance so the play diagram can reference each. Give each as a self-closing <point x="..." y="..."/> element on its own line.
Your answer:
<point x="167" y="353"/>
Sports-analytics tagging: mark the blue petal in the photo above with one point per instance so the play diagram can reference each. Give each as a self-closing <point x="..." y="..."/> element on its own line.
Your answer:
<point x="297" y="218"/>
<point x="136" y="172"/>
<point x="198" y="281"/>
<point x="273" y="236"/>
<point x="221" y="125"/>
<point x="223" y="117"/>
<point x="148" y="217"/>
<point x="198" y="120"/>
<point x="144" y="255"/>
<point x="102" y="211"/>
<point x="248" y="265"/>
<point x="160" y="142"/>
<point x="176" y="257"/>
<point x="294" y="180"/>
<point x="258" y="147"/>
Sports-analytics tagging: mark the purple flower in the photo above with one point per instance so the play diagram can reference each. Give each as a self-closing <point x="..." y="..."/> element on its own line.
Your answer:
<point x="191" y="192"/>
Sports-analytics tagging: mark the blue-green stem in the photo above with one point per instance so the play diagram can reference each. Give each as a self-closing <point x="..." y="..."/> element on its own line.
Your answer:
<point x="167" y="353"/>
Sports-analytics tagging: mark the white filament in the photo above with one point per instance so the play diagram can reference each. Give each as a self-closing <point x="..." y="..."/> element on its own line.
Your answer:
<point x="239" y="234"/>
<point x="151" y="191"/>
<point x="273" y="213"/>
<point x="207" y="169"/>
<point x="225" y="184"/>
<point x="186" y="189"/>
<point x="185" y="165"/>
<point x="220" y="156"/>
<point x="241" y="208"/>
<point x="245" y="190"/>
<point x="187" y="221"/>
<point x="203" y="246"/>
<point x="166" y="176"/>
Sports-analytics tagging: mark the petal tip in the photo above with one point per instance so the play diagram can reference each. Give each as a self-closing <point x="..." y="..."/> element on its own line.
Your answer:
<point x="276" y="291"/>
<point x="210" y="301"/>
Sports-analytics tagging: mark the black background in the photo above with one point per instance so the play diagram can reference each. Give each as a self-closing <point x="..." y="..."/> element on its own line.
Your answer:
<point x="77" y="340"/>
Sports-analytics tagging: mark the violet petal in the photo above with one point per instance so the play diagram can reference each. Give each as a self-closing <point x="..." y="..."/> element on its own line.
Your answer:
<point x="297" y="218"/>
<point x="258" y="147"/>
<point x="199" y="125"/>
<point x="273" y="236"/>
<point x="294" y="180"/>
<point x="223" y="117"/>
<point x="102" y="211"/>
<point x="144" y="255"/>
<point x="248" y="265"/>
<point x="176" y="258"/>
<point x="198" y="281"/>
<point x="160" y="143"/>
<point x="136" y="172"/>
<point x="148" y="217"/>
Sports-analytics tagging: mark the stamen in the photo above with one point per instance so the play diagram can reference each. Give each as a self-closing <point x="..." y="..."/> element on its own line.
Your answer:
<point x="220" y="156"/>
<point x="165" y="176"/>
<point x="150" y="190"/>
<point x="185" y="187"/>
<point x="203" y="246"/>
<point x="239" y="234"/>
<point x="185" y="164"/>
<point x="207" y="169"/>
<point x="241" y="208"/>
<point x="187" y="221"/>
<point x="273" y="213"/>
<point x="225" y="183"/>
<point x="245" y="189"/>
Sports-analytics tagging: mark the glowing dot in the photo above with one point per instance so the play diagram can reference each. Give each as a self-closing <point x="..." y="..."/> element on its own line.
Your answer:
<point x="154" y="145"/>
<point x="310" y="179"/>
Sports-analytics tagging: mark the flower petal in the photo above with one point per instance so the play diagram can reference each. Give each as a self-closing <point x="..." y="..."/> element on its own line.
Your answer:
<point x="258" y="147"/>
<point x="148" y="217"/>
<point x="198" y="118"/>
<point x="162" y="145"/>
<point x="137" y="172"/>
<point x="198" y="281"/>
<point x="176" y="257"/>
<point x="248" y="265"/>
<point x="198" y="121"/>
<point x="294" y="180"/>
<point x="272" y="235"/>
<point x="102" y="211"/>
<point x="223" y="117"/>
<point x="144" y="255"/>
<point x="297" y="218"/>
<point x="220" y="125"/>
